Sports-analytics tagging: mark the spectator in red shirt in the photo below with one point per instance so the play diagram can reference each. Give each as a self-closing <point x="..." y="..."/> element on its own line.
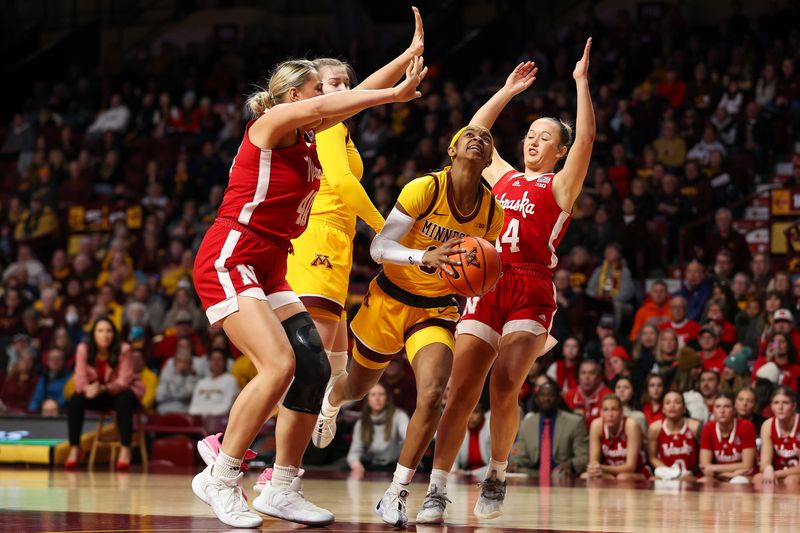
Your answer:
<point x="652" y="398"/>
<point x="716" y="314"/>
<point x="712" y="357"/>
<point x="673" y="89"/>
<point x="685" y="329"/>
<point x="654" y="309"/>
<point x="783" y="323"/>
<point x="782" y="353"/>
<point x="727" y="445"/>
<point x="584" y="399"/>
<point x="564" y="371"/>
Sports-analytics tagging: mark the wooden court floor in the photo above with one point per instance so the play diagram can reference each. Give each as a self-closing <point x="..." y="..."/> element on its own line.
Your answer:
<point x="42" y="500"/>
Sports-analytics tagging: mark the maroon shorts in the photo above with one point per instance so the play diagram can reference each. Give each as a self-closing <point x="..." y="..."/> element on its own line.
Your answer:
<point x="233" y="261"/>
<point x="523" y="300"/>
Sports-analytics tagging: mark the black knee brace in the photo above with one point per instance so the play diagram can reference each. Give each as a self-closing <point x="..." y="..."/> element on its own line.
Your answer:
<point x="312" y="369"/>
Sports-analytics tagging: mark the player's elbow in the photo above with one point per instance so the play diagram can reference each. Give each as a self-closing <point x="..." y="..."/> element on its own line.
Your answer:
<point x="376" y="249"/>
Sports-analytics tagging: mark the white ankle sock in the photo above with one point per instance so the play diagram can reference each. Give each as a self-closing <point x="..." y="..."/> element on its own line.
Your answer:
<point x="499" y="468"/>
<point x="327" y="409"/>
<point x="439" y="478"/>
<point x="402" y="477"/>
<point x="225" y="466"/>
<point x="338" y="361"/>
<point x="282" y="476"/>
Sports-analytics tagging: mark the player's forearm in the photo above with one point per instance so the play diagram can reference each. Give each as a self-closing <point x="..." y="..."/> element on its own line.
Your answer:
<point x="488" y="113"/>
<point x="793" y="471"/>
<point x="618" y="469"/>
<point x="585" y="129"/>
<point x="731" y="467"/>
<point x="352" y="194"/>
<point x="385" y="250"/>
<point x="386" y="247"/>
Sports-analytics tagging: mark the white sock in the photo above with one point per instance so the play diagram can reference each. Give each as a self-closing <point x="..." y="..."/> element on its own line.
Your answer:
<point x="402" y="477"/>
<point x="438" y="478"/>
<point x="225" y="466"/>
<point x="327" y="409"/>
<point x="499" y="468"/>
<point x="282" y="476"/>
<point x="338" y="361"/>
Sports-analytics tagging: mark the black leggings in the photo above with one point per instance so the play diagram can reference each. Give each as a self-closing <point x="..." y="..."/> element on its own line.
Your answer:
<point x="123" y="403"/>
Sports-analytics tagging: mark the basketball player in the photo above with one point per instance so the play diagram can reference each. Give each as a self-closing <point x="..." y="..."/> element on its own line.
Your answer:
<point x="409" y="306"/>
<point x="780" y="442"/>
<point x="319" y="269"/>
<point x="509" y="327"/>
<point x="672" y="441"/>
<point x="240" y="273"/>
<point x="727" y="445"/>
<point x="615" y="445"/>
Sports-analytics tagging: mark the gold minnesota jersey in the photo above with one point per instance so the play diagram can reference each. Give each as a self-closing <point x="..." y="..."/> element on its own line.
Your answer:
<point x="429" y="199"/>
<point x="342" y="168"/>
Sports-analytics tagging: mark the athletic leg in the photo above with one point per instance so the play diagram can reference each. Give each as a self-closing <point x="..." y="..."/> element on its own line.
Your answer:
<point x="517" y="352"/>
<point x="256" y="330"/>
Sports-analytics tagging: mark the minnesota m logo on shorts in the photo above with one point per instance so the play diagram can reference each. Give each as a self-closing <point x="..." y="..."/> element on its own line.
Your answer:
<point x="322" y="260"/>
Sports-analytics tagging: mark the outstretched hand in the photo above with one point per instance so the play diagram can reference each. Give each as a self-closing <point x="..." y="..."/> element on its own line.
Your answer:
<point x="418" y="40"/>
<point x="522" y="77"/>
<point x="581" y="71"/>
<point x="415" y="73"/>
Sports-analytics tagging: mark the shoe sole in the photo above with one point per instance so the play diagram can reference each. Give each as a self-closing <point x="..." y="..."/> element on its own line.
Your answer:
<point x="271" y="511"/>
<point x="431" y="522"/>
<point x="489" y="516"/>
<point x="198" y="491"/>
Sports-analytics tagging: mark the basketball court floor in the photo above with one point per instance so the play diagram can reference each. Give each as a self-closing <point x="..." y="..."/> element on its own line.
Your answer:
<point x="44" y="500"/>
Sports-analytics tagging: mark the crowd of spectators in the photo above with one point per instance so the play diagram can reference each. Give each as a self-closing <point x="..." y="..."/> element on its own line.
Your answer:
<point x="109" y="183"/>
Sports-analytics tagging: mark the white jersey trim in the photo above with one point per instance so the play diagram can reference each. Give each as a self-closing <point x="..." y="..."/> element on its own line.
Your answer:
<point x="557" y="227"/>
<point x="478" y="329"/>
<point x="262" y="186"/>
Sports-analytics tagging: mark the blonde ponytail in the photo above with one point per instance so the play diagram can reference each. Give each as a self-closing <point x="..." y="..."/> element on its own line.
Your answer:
<point x="291" y="73"/>
<point x="258" y="102"/>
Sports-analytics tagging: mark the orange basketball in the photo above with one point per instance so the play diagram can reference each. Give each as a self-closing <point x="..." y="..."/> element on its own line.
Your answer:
<point x="479" y="270"/>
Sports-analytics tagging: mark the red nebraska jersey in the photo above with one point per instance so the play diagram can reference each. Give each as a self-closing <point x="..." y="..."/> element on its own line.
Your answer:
<point x="785" y="447"/>
<point x="588" y="405"/>
<point x="534" y="223"/>
<point x="271" y="191"/>
<point x="729" y="449"/>
<point x="679" y="448"/>
<point x="614" y="448"/>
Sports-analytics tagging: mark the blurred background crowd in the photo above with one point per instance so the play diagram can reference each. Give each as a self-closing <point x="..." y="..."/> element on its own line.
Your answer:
<point x="111" y="177"/>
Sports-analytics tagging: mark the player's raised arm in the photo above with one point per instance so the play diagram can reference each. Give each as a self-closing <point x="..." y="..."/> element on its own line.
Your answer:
<point x="322" y="111"/>
<point x="519" y="80"/>
<point x="391" y="73"/>
<point x="568" y="182"/>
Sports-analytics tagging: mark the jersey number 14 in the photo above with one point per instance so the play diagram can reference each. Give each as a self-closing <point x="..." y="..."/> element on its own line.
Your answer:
<point x="510" y="237"/>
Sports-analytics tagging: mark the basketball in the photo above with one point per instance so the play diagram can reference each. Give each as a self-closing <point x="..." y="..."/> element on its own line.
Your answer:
<point x="479" y="270"/>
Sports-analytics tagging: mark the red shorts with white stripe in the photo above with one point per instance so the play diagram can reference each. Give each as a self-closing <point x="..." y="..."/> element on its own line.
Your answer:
<point x="231" y="261"/>
<point x="523" y="300"/>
